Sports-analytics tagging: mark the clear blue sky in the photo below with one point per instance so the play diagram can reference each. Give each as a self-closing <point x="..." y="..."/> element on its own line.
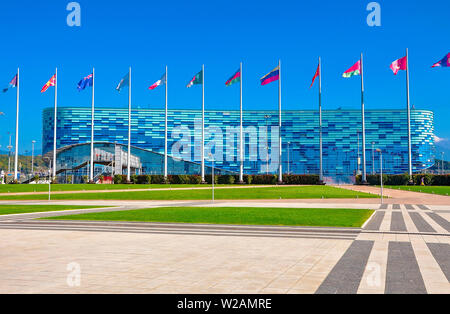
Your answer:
<point x="147" y="35"/>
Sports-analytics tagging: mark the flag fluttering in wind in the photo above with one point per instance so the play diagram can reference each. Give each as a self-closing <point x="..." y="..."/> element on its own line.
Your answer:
<point x="11" y="84"/>
<point x="51" y="82"/>
<point x="124" y="82"/>
<point x="273" y="76"/>
<point x="445" y="62"/>
<point x="400" y="64"/>
<point x="196" y="80"/>
<point x="234" y="79"/>
<point x="315" y="75"/>
<point x="161" y="81"/>
<point x="86" y="82"/>
<point x="354" y="70"/>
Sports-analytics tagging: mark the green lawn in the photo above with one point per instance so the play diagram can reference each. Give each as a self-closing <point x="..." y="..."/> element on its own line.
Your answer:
<point x="236" y="216"/>
<point x="297" y="192"/>
<point x="441" y="190"/>
<point x="19" y="188"/>
<point x="24" y="209"/>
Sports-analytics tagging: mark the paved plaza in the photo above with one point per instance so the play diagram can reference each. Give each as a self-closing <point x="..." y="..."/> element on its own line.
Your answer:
<point x="403" y="248"/>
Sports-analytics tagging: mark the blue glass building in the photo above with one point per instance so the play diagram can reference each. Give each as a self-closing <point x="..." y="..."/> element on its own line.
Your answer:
<point x="342" y="140"/>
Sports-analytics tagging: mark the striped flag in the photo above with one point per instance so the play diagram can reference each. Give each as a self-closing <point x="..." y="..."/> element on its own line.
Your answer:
<point x="124" y="82"/>
<point x="445" y="62"/>
<point x="234" y="79"/>
<point x="51" y="82"/>
<point x="354" y="70"/>
<point x="196" y="80"/>
<point x="11" y="84"/>
<point x="273" y="76"/>
<point x="161" y="81"/>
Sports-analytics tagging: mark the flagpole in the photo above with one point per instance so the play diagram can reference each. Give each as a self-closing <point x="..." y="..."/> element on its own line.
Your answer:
<point x="129" y="129"/>
<point x="364" y="177"/>
<point x="241" y="146"/>
<point x="320" y="124"/>
<point x="91" y="173"/>
<point x="280" y="176"/>
<point x="16" y="157"/>
<point x="203" y="124"/>
<point x="165" y="133"/>
<point x="408" y="110"/>
<point x="55" y="122"/>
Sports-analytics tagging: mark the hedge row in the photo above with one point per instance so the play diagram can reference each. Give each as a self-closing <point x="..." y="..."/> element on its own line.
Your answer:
<point x="219" y="179"/>
<point x="403" y="179"/>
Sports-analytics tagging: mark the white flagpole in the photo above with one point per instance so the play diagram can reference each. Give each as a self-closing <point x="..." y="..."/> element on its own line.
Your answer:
<point x="129" y="128"/>
<point x="55" y="122"/>
<point x="241" y="146"/>
<point x="91" y="174"/>
<point x="165" y="133"/>
<point x="16" y="157"/>
<point x="320" y="124"/>
<point x="203" y="124"/>
<point x="408" y="110"/>
<point x="280" y="176"/>
<point x="364" y="177"/>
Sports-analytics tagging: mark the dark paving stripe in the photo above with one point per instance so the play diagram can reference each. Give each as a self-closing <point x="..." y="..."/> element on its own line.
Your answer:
<point x="403" y="274"/>
<point x="346" y="275"/>
<point x="409" y="207"/>
<point x="440" y="221"/>
<point x="421" y="223"/>
<point x="396" y="206"/>
<point x="384" y="206"/>
<point x="397" y="222"/>
<point x="375" y="222"/>
<point x="423" y="207"/>
<point x="441" y="253"/>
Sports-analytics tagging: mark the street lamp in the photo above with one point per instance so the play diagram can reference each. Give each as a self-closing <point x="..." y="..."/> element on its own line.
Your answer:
<point x="289" y="161"/>
<point x="32" y="156"/>
<point x="267" y="117"/>
<point x="381" y="172"/>
<point x="442" y="162"/>
<point x="373" y="158"/>
<point x="212" y="176"/>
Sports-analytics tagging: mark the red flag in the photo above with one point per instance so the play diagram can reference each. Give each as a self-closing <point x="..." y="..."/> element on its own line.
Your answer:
<point x="315" y="76"/>
<point x="399" y="64"/>
<point x="51" y="82"/>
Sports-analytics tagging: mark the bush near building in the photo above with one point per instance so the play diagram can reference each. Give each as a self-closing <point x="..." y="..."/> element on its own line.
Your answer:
<point x="219" y="179"/>
<point x="403" y="179"/>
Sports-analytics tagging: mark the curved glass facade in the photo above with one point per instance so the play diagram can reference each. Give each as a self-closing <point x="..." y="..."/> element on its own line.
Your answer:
<point x="342" y="140"/>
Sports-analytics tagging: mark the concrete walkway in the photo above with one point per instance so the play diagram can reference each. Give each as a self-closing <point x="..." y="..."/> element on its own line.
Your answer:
<point x="403" y="248"/>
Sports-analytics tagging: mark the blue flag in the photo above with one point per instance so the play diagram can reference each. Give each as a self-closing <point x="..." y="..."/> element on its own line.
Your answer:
<point x="123" y="82"/>
<point x="86" y="82"/>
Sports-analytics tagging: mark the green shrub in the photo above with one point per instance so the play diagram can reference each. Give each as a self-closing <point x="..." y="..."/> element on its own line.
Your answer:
<point x="158" y="179"/>
<point x="301" y="179"/>
<point x="208" y="179"/>
<point x="265" y="179"/>
<point x="226" y="179"/>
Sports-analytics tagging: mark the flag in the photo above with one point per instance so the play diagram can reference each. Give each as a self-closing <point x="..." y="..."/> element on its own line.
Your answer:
<point x="273" y="76"/>
<point x="51" y="82"/>
<point x="445" y="62"/>
<point x="12" y="84"/>
<point x="124" y="82"/>
<point x="399" y="64"/>
<point x="315" y="75"/>
<point x="234" y="79"/>
<point x="197" y="79"/>
<point x="86" y="82"/>
<point x="354" y="70"/>
<point x="161" y="81"/>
